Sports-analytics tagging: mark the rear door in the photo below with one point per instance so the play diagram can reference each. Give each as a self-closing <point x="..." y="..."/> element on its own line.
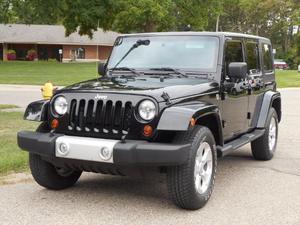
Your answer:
<point x="261" y="75"/>
<point x="256" y="87"/>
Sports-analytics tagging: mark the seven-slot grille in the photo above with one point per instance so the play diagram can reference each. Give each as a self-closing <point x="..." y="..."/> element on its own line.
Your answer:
<point x="99" y="116"/>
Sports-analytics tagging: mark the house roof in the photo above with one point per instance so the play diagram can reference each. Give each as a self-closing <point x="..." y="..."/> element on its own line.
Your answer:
<point x="51" y="34"/>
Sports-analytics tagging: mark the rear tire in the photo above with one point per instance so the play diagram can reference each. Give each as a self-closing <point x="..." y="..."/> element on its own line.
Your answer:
<point x="190" y="185"/>
<point x="46" y="175"/>
<point x="264" y="147"/>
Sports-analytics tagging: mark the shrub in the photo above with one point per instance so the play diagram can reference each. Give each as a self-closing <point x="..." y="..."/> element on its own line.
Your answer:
<point x="52" y="60"/>
<point x="31" y="55"/>
<point x="11" y="54"/>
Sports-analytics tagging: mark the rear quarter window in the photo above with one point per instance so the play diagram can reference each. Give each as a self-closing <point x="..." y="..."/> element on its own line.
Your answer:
<point x="267" y="57"/>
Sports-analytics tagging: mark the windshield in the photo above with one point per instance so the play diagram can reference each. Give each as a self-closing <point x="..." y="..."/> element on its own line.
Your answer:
<point x="190" y="53"/>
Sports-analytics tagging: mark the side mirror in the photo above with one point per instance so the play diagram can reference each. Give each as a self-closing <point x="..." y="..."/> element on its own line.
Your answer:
<point x="101" y="69"/>
<point x="237" y="70"/>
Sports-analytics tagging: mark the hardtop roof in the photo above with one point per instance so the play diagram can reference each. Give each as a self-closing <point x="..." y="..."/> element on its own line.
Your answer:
<point x="195" y="33"/>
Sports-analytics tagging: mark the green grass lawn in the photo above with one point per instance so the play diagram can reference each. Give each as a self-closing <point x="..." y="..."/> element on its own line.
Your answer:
<point x="287" y="78"/>
<point x="21" y="72"/>
<point x="12" y="159"/>
<point x="38" y="73"/>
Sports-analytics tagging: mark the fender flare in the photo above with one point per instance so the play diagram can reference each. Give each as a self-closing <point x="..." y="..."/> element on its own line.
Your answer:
<point x="178" y="117"/>
<point x="37" y="111"/>
<point x="267" y="102"/>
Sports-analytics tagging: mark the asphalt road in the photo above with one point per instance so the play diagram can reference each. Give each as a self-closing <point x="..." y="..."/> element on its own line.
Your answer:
<point x="20" y="95"/>
<point x="246" y="191"/>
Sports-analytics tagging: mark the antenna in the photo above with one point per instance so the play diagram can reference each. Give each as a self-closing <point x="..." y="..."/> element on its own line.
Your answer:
<point x="97" y="56"/>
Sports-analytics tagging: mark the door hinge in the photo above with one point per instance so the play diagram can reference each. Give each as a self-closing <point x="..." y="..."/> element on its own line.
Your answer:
<point x="249" y="115"/>
<point x="223" y="123"/>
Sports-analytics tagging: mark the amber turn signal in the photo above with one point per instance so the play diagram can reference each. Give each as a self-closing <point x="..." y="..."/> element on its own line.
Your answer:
<point x="54" y="123"/>
<point x="193" y="122"/>
<point x="148" y="130"/>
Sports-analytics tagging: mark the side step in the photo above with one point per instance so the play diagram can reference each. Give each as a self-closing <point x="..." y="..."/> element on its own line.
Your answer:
<point x="239" y="142"/>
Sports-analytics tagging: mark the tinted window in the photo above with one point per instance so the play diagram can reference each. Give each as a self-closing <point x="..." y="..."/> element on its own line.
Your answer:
<point x="252" y="57"/>
<point x="267" y="56"/>
<point x="233" y="53"/>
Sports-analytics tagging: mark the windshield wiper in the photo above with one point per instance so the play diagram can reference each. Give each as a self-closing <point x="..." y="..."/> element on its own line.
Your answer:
<point x="170" y="69"/>
<point x="124" y="68"/>
<point x="134" y="46"/>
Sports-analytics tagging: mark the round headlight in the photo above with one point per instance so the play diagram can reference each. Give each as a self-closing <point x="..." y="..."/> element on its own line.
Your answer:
<point x="60" y="105"/>
<point x="147" y="110"/>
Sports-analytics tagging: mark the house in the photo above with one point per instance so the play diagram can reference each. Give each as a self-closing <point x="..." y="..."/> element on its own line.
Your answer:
<point x="50" y="42"/>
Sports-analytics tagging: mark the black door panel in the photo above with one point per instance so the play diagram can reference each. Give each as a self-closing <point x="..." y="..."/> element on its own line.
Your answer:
<point x="234" y="94"/>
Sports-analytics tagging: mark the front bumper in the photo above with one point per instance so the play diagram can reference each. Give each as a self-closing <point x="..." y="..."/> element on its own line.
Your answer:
<point x="132" y="152"/>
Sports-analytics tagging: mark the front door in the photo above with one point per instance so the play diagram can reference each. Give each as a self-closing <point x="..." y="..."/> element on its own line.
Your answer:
<point x="235" y="93"/>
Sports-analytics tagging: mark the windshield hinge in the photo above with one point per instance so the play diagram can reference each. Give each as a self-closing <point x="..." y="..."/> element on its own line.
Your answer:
<point x="166" y="97"/>
<point x="211" y="76"/>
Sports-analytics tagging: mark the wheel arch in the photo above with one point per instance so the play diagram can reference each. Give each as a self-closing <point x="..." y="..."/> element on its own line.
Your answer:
<point x="276" y="104"/>
<point x="37" y="111"/>
<point x="270" y="99"/>
<point x="178" y="118"/>
<point x="213" y="122"/>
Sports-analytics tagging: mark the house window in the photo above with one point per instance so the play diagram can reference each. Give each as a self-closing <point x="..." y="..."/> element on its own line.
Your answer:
<point x="78" y="53"/>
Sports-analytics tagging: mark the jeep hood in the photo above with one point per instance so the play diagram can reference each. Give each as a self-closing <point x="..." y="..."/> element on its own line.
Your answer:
<point x="146" y="86"/>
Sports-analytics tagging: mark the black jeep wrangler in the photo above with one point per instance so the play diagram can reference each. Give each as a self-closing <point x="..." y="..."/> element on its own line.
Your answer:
<point x="172" y="102"/>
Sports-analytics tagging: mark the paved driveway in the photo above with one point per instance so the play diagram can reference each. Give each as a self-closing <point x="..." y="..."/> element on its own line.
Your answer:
<point x="246" y="191"/>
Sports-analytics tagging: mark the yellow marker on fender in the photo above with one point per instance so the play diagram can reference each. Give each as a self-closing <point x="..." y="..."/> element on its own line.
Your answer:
<point x="193" y="122"/>
<point x="47" y="90"/>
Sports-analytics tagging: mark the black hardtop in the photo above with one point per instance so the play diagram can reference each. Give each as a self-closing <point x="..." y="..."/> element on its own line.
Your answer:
<point x="196" y="33"/>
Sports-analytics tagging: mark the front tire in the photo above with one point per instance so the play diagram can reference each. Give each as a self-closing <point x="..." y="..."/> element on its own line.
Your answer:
<point x="190" y="185"/>
<point x="264" y="147"/>
<point x="50" y="177"/>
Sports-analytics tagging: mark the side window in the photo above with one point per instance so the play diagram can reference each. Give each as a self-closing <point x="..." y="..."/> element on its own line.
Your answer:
<point x="267" y="57"/>
<point x="253" y="62"/>
<point x="233" y="53"/>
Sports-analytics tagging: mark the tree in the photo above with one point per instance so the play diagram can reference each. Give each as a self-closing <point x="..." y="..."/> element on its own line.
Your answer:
<point x="199" y="14"/>
<point x="87" y="16"/>
<point x="268" y="18"/>
<point x="37" y="11"/>
<point x="6" y="15"/>
<point x="144" y="16"/>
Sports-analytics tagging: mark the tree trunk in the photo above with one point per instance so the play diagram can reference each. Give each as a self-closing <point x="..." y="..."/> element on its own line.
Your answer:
<point x="149" y="26"/>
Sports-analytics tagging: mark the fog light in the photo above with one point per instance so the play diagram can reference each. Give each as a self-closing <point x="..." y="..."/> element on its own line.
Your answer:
<point x="148" y="130"/>
<point x="105" y="153"/>
<point x="63" y="149"/>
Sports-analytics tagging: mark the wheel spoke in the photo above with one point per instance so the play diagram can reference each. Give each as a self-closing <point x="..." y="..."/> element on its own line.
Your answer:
<point x="272" y="134"/>
<point x="203" y="167"/>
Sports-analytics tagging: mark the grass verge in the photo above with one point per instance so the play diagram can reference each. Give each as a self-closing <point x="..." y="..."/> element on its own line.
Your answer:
<point x="287" y="78"/>
<point x="7" y="106"/>
<point x="37" y="73"/>
<point x="12" y="159"/>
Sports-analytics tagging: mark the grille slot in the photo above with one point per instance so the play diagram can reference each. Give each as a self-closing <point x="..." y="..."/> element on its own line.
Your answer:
<point x="99" y="116"/>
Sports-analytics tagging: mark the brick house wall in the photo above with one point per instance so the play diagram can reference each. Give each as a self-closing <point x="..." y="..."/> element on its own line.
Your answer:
<point x="89" y="53"/>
